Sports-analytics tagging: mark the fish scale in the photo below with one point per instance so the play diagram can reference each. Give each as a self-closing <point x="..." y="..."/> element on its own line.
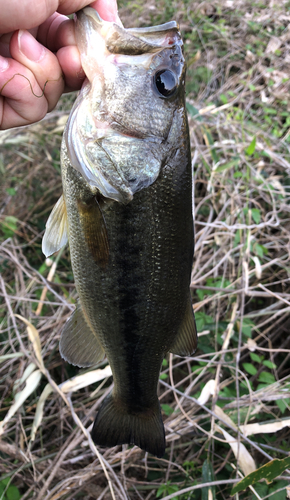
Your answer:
<point x="129" y="227"/>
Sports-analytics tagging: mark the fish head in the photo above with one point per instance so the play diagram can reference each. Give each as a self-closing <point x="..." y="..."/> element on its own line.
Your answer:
<point x="130" y="114"/>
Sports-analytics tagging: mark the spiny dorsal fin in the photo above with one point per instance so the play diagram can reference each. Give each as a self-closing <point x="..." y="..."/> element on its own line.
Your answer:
<point x="79" y="344"/>
<point x="55" y="236"/>
<point x="185" y="343"/>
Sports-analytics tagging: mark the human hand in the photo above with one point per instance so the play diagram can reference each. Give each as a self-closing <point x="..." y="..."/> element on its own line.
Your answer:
<point x="39" y="59"/>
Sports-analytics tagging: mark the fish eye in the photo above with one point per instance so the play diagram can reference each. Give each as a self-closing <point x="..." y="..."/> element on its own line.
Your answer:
<point x="165" y="82"/>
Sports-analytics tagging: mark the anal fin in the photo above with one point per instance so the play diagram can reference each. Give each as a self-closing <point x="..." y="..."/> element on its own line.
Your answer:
<point x="56" y="232"/>
<point x="79" y="344"/>
<point x="185" y="343"/>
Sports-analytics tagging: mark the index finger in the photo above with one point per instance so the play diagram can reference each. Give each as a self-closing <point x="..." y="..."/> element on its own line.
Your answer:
<point x="108" y="10"/>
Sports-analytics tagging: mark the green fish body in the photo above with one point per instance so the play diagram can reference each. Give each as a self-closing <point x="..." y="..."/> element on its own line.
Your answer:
<point x="127" y="213"/>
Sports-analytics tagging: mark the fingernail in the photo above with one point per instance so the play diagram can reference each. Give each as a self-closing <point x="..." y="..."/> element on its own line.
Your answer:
<point x="3" y="64"/>
<point x="29" y="47"/>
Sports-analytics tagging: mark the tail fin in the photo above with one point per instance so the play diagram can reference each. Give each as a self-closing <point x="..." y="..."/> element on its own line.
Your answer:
<point x="114" y="425"/>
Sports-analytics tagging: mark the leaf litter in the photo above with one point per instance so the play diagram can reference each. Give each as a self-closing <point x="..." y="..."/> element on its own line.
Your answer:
<point x="239" y="116"/>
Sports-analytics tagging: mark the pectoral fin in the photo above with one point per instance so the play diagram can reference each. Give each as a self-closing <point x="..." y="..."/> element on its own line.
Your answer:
<point x="55" y="236"/>
<point x="79" y="344"/>
<point x="186" y="341"/>
<point x="95" y="231"/>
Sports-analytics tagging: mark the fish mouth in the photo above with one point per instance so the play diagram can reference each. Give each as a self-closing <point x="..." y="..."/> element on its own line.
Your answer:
<point x="98" y="39"/>
<point x="132" y="41"/>
<point x="112" y="153"/>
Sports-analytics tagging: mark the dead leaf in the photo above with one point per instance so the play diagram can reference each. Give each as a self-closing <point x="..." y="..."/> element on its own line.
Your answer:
<point x="273" y="45"/>
<point x="207" y="391"/>
<point x="80" y="381"/>
<point x="222" y="415"/>
<point x="31" y="384"/>
<point x="34" y="339"/>
<point x="257" y="428"/>
<point x="250" y="57"/>
<point x="19" y="381"/>
<point x="274" y="180"/>
<point x="71" y="385"/>
<point x="258" y="268"/>
<point x="11" y="356"/>
<point x="251" y="345"/>
<point x="245" y="460"/>
<point x="39" y="410"/>
<point x="264" y="98"/>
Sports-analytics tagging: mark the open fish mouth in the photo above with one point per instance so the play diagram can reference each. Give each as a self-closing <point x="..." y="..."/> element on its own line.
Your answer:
<point x="118" y="40"/>
<point x="114" y="147"/>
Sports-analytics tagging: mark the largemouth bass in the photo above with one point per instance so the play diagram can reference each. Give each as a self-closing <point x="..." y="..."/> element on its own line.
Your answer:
<point x="126" y="211"/>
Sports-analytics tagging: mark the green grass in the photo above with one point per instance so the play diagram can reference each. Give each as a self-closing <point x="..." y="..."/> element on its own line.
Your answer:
<point x="239" y="118"/>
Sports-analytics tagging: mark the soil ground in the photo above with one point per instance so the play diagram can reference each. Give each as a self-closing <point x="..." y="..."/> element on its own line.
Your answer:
<point x="238" y="101"/>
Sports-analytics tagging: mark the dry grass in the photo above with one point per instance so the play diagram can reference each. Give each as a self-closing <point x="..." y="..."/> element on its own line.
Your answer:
<point x="238" y="87"/>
